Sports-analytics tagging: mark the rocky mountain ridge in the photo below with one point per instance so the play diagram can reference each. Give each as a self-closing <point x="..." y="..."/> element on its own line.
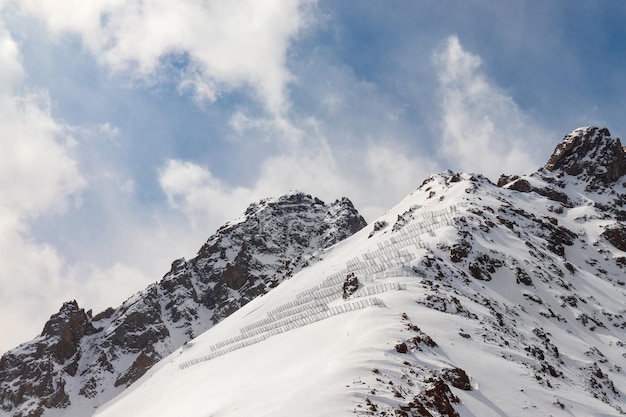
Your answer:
<point x="82" y="359"/>
<point x="536" y="267"/>
<point x="468" y="298"/>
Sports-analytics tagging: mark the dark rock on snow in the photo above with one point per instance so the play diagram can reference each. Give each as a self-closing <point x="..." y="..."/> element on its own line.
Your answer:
<point x="244" y="259"/>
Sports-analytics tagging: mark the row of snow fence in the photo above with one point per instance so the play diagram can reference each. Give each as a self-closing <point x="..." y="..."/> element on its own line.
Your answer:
<point x="377" y="289"/>
<point x="302" y="311"/>
<point x="327" y="283"/>
<point x="317" y="306"/>
<point x="311" y="298"/>
<point x="336" y="278"/>
<point x="403" y="271"/>
<point x="388" y="260"/>
<point x="446" y="212"/>
<point x="297" y="306"/>
<point x="238" y="343"/>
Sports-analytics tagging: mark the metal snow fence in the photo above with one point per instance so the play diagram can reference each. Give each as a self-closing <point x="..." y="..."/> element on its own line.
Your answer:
<point x="303" y="300"/>
<point x="303" y="308"/>
<point x="334" y="279"/>
<point x="377" y="289"/>
<point x="344" y="308"/>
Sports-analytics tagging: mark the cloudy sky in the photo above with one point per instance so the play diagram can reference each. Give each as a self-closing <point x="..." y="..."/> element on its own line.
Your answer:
<point x="131" y="129"/>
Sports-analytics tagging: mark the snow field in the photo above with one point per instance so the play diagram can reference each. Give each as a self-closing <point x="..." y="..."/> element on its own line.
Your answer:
<point x="325" y="367"/>
<point x="311" y="305"/>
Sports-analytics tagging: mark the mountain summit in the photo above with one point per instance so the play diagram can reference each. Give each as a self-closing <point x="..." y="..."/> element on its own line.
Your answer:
<point x="591" y="154"/>
<point x="468" y="298"/>
<point x="79" y="361"/>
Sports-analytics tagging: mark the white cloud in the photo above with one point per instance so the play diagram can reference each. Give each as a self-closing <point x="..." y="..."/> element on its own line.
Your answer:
<point x="483" y="129"/>
<point x="37" y="169"/>
<point x="29" y="273"/>
<point x="38" y="173"/>
<point x="209" y="202"/>
<point x="226" y="44"/>
<point x="205" y="200"/>
<point x="372" y="177"/>
<point x="274" y="128"/>
<point x="393" y="172"/>
<point x="204" y="91"/>
<point x="12" y="71"/>
<point x="98" y="288"/>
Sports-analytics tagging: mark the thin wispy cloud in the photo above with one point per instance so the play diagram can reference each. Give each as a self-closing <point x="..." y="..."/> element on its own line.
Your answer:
<point x="483" y="128"/>
<point x="38" y="173"/>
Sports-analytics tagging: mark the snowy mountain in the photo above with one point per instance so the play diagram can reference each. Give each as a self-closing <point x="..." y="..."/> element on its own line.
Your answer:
<point x="466" y="299"/>
<point x="80" y="361"/>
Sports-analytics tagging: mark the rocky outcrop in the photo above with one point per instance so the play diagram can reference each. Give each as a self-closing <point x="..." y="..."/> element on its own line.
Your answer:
<point x="42" y="366"/>
<point x="102" y="355"/>
<point x="590" y="153"/>
<point x="589" y="156"/>
<point x="527" y="278"/>
<point x="616" y="235"/>
<point x="542" y="250"/>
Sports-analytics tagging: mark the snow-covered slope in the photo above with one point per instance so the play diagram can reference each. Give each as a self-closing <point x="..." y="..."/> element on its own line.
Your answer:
<point x="80" y="361"/>
<point x="470" y="299"/>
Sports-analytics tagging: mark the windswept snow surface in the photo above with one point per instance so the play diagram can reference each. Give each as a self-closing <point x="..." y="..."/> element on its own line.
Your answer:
<point x="537" y="334"/>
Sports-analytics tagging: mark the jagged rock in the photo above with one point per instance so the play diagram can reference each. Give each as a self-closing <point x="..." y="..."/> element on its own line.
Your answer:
<point x="350" y="285"/>
<point x="592" y="154"/>
<point x="68" y="327"/>
<point x="471" y="229"/>
<point x="558" y="237"/>
<point x="378" y="226"/>
<point x="524" y="186"/>
<point x="437" y="397"/>
<point x="34" y="366"/>
<point x="402" y="348"/>
<point x="460" y="251"/>
<point x="521" y="185"/>
<point x="483" y="267"/>
<point x="522" y="276"/>
<point x="144" y="361"/>
<point x="457" y="377"/>
<point x="234" y="277"/>
<point x="244" y="259"/>
<point x="616" y="235"/>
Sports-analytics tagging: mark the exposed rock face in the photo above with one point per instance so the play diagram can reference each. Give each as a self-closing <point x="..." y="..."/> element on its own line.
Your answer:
<point x="589" y="157"/>
<point x="102" y="355"/>
<point x="68" y="326"/>
<point x="616" y="235"/>
<point x="350" y="285"/>
<point x="42" y="366"/>
<point x="522" y="284"/>
<point x="458" y="378"/>
<point x="590" y="153"/>
<point x="507" y="260"/>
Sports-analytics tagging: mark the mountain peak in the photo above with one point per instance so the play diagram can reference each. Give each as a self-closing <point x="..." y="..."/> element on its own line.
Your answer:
<point x="339" y="219"/>
<point x="590" y="153"/>
<point x="517" y="289"/>
<point x="464" y="299"/>
<point x="80" y="360"/>
<point x="290" y="198"/>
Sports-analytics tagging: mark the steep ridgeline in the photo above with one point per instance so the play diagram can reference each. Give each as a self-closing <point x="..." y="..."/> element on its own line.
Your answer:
<point x="466" y="299"/>
<point x="79" y="361"/>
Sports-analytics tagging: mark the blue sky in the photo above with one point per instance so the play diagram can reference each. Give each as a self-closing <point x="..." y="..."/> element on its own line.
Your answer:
<point x="132" y="129"/>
